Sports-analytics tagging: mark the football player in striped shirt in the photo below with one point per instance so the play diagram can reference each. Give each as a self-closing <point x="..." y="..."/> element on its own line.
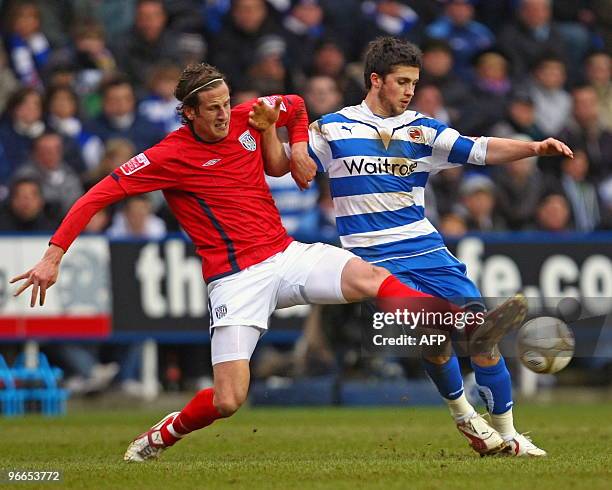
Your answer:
<point x="378" y="156"/>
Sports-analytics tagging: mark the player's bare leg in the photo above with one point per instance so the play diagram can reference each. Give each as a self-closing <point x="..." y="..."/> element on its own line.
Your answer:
<point x="231" y="384"/>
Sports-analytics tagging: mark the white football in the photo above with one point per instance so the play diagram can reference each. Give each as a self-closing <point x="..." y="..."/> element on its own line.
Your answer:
<point x="545" y="344"/>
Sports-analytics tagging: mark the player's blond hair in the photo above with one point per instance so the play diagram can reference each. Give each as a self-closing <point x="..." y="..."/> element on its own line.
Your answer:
<point x="194" y="79"/>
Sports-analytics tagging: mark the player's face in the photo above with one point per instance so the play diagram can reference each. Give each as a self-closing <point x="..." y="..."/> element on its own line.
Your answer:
<point x="211" y="120"/>
<point x="397" y="90"/>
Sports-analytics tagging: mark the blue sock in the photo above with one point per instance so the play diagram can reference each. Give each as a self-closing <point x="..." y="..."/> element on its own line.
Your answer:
<point x="494" y="386"/>
<point x="446" y="377"/>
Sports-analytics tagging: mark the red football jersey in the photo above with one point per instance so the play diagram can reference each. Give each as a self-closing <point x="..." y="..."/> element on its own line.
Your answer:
<point x="217" y="191"/>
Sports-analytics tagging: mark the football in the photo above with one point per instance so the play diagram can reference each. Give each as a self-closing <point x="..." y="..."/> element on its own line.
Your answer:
<point x="545" y="344"/>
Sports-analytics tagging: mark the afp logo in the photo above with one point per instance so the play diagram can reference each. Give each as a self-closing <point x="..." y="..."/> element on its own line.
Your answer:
<point x="248" y="141"/>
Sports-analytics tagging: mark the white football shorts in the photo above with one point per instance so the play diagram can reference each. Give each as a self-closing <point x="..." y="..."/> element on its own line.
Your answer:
<point x="301" y="274"/>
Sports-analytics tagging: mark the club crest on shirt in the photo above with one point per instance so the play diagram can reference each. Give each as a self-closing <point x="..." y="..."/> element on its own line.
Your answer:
<point x="220" y="311"/>
<point x="248" y="141"/>
<point x="416" y="134"/>
<point x="134" y="164"/>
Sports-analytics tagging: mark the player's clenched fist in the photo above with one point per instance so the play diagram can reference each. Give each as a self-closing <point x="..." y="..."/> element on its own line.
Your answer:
<point x="42" y="276"/>
<point x="303" y="168"/>
<point x="263" y="115"/>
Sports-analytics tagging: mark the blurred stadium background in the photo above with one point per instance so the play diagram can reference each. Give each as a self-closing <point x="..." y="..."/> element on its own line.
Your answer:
<point x="85" y="84"/>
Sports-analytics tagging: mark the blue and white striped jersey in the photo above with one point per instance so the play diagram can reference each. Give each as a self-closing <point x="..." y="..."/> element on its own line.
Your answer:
<point x="378" y="168"/>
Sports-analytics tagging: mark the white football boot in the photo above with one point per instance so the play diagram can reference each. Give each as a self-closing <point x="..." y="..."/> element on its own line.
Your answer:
<point x="522" y="446"/>
<point x="148" y="445"/>
<point x="484" y="439"/>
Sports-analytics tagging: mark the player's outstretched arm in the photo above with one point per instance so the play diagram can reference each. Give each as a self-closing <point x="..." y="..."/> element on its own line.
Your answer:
<point x="504" y="150"/>
<point x="44" y="274"/>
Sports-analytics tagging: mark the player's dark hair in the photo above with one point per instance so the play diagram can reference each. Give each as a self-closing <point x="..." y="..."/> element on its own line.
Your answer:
<point x="194" y="76"/>
<point x="385" y="53"/>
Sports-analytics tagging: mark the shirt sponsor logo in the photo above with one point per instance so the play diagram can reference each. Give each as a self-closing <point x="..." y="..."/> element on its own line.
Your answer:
<point x="379" y="167"/>
<point x="416" y="134"/>
<point x="211" y="162"/>
<point x="247" y="141"/>
<point x="135" y="164"/>
<point x="220" y="311"/>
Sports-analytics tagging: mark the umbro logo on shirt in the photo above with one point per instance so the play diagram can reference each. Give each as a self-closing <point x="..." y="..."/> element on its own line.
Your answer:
<point x="211" y="162"/>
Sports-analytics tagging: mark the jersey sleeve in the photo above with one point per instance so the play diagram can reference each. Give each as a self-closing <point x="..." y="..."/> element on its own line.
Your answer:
<point x="318" y="147"/>
<point x="294" y="117"/>
<point x="103" y="194"/>
<point x="155" y="169"/>
<point x="450" y="148"/>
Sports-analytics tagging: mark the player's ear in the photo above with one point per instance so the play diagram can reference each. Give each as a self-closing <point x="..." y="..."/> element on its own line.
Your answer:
<point x="189" y="113"/>
<point x="376" y="80"/>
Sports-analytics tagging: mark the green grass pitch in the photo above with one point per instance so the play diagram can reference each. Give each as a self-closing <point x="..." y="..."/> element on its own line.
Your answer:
<point x="403" y="448"/>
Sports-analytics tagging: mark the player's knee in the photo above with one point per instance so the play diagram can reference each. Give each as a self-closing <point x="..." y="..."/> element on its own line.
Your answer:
<point x="362" y="280"/>
<point x="228" y="404"/>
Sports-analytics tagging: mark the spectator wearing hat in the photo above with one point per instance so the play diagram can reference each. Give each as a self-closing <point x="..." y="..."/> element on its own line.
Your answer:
<point x="531" y="36"/>
<point x="466" y="36"/>
<point x="24" y="210"/>
<point x="586" y="130"/>
<point x="268" y="73"/>
<point x="477" y="206"/>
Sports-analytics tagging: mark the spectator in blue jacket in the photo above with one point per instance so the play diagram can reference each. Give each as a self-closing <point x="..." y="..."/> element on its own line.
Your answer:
<point x="27" y="46"/>
<point x="119" y="118"/>
<point x="22" y="123"/>
<point x="466" y="36"/>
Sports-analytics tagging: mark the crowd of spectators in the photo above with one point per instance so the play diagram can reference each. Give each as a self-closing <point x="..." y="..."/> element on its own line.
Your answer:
<point x="85" y="84"/>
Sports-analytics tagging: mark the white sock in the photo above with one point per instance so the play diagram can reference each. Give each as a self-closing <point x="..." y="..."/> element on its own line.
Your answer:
<point x="504" y="424"/>
<point x="460" y="408"/>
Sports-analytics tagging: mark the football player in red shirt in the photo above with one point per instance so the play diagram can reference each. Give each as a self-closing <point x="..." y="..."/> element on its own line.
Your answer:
<point x="211" y="171"/>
